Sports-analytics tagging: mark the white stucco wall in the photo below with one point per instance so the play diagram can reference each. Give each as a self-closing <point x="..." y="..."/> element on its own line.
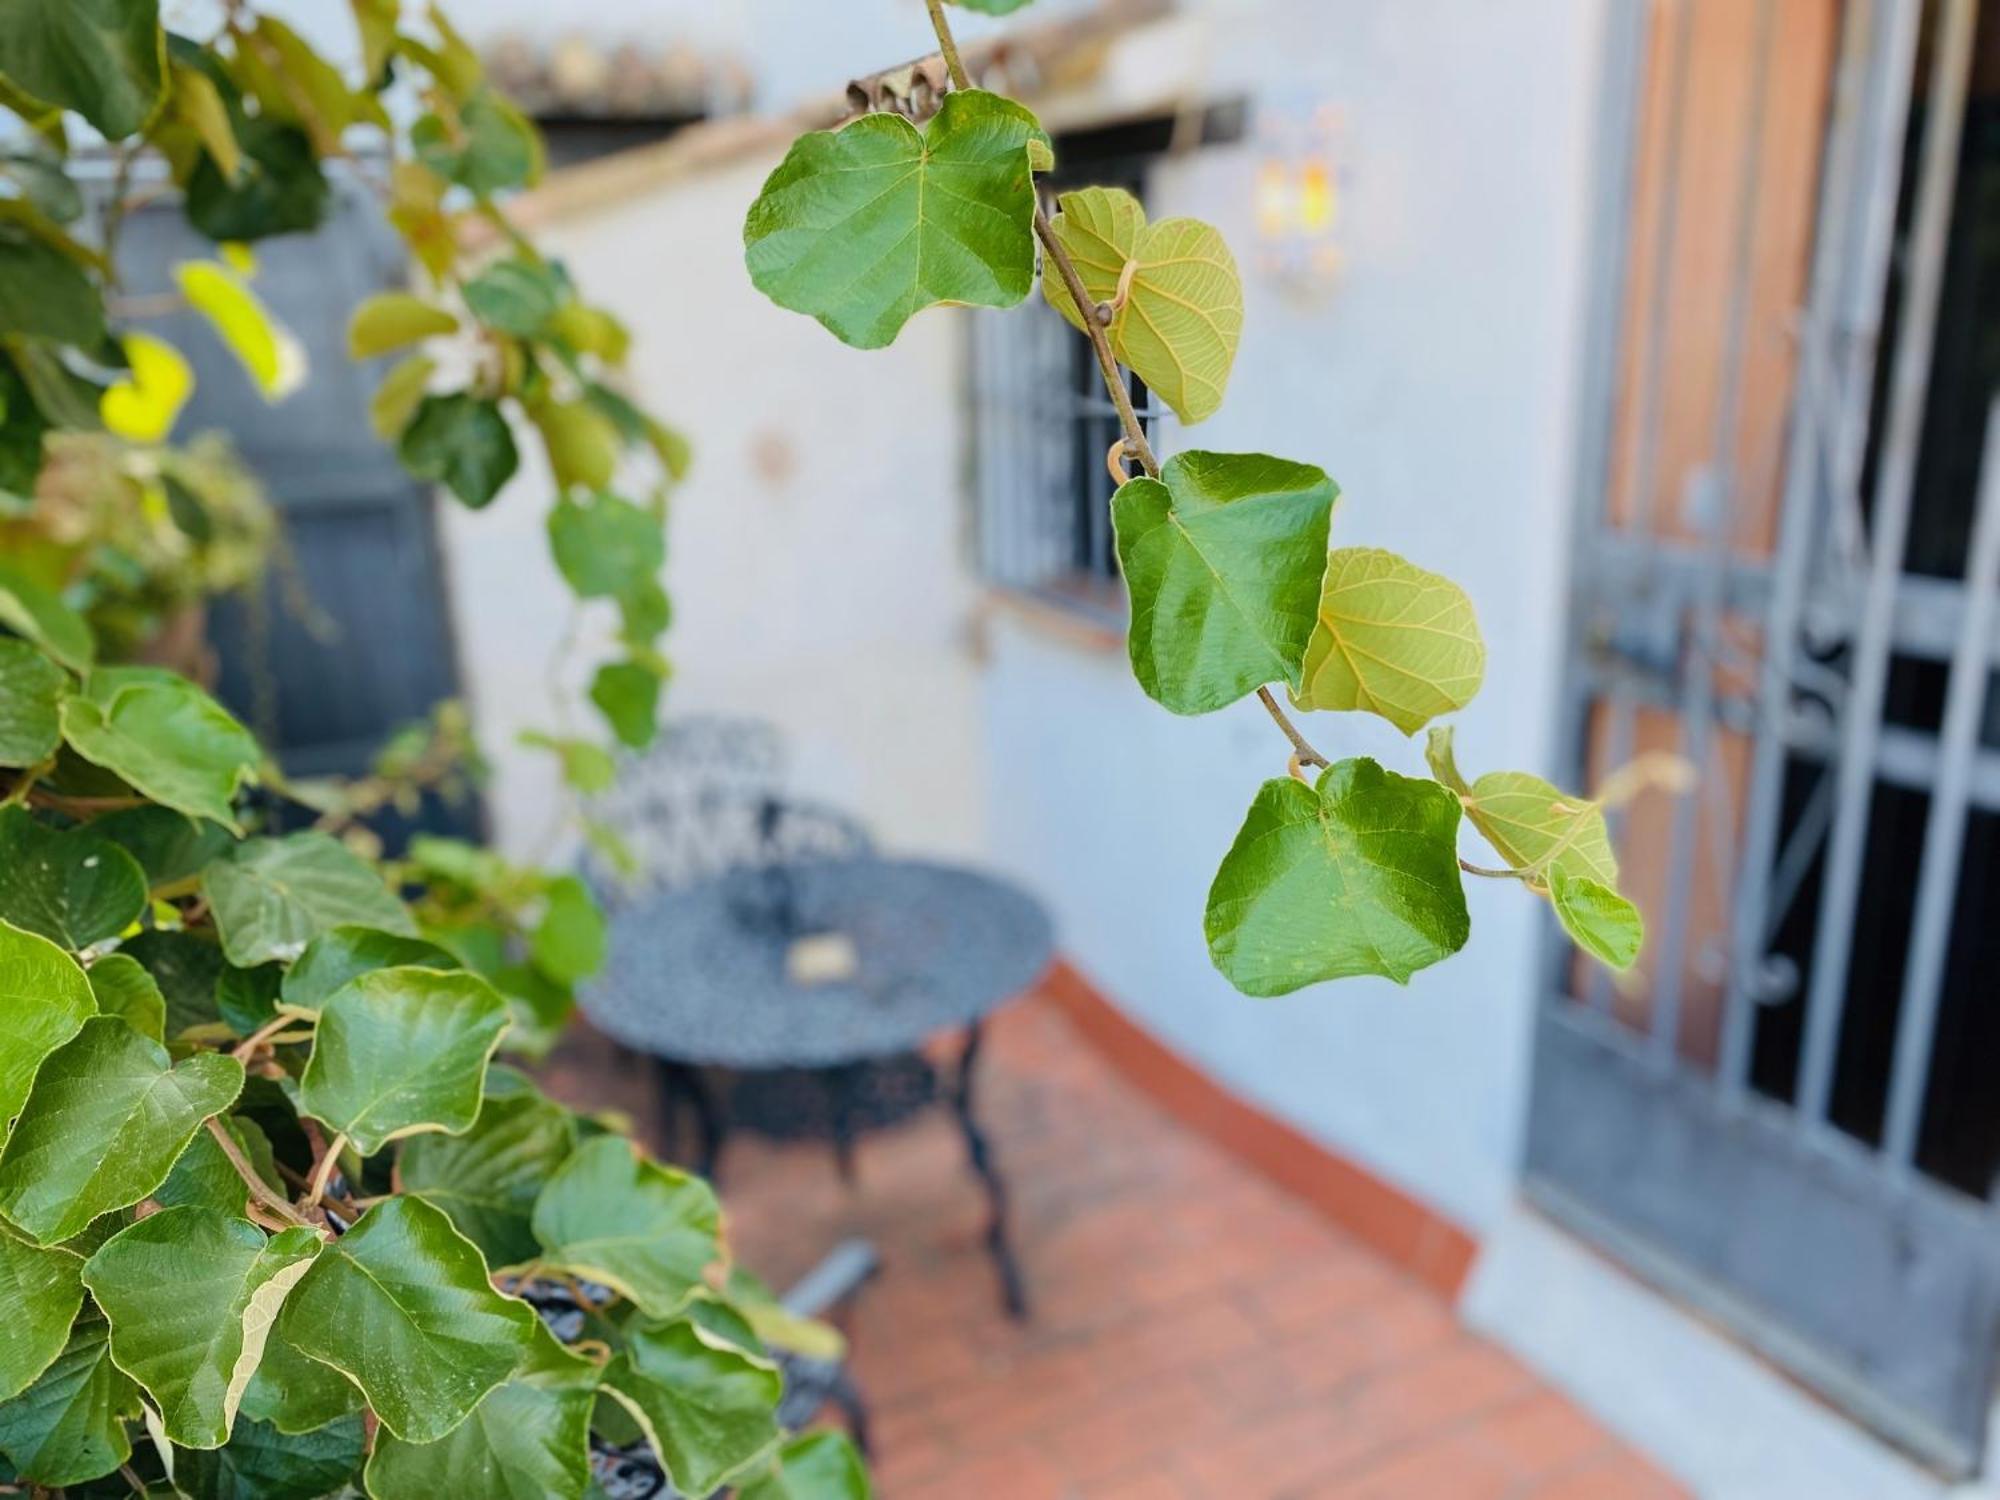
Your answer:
<point x="1436" y="385"/>
<point x="814" y="553"/>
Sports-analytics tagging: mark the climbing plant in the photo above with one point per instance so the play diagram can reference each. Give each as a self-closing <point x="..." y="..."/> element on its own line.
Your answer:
<point x="278" y="1217"/>
<point x="1341" y="867"/>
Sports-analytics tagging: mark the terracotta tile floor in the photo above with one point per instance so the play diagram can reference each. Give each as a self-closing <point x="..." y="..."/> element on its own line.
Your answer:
<point x="1197" y="1335"/>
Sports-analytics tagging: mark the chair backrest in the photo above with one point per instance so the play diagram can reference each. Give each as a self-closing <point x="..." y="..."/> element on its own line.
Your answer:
<point x="706" y="800"/>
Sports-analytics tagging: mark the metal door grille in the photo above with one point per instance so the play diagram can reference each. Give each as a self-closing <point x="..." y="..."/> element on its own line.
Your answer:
<point x="1793" y="1117"/>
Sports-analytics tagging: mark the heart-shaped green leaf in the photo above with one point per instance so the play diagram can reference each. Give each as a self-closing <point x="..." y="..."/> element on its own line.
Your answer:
<point x="343" y="953"/>
<point x="645" y="1230"/>
<point x="261" y="1462"/>
<point x="864" y="226"/>
<point x="400" y="1051"/>
<point x="1536" y="828"/>
<point x="818" y="1466"/>
<point x="488" y="1179"/>
<point x="69" y="885"/>
<point x="1177" y="300"/>
<point x="41" y="1287"/>
<point x="69" y="1426"/>
<point x="1392" y="640"/>
<point x="528" y="1440"/>
<point x="1356" y="875"/>
<point x="463" y="443"/>
<point x="569" y="942"/>
<point x="708" y="1410"/>
<point x="169" y="846"/>
<point x="124" y="989"/>
<point x="1599" y="920"/>
<point x="31" y="694"/>
<point x="44" y="1001"/>
<point x="627" y="693"/>
<point x="605" y="546"/>
<point x="273" y="896"/>
<point x="106" y="1117"/>
<point x="191" y="1295"/>
<point x="165" y="736"/>
<point x="188" y="968"/>
<point x="1223" y="555"/>
<point x="105" y="59"/>
<point x="402" y="1306"/>
<point x="29" y="609"/>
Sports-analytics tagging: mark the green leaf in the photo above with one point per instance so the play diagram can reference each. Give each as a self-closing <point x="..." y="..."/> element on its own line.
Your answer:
<point x="188" y="968"/>
<point x="864" y="226"/>
<point x="992" y="7"/>
<point x="105" y="59"/>
<point x="69" y="1426"/>
<point x="124" y="989"/>
<point x="396" y="399"/>
<point x="389" y="320"/>
<point x="41" y="1288"/>
<point x="401" y="1304"/>
<point x="581" y="441"/>
<point x="296" y="1395"/>
<point x="1357" y="875"/>
<point x="169" y="846"/>
<point x="400" y="1051"/>
<point x="605" y="547"/>
<point x="104" y="1122"/>
<point x="646" y="1230"/>
<point x="1599" y="920"/>
<point x="528" y="1440"/>
<point x="31" y="694"/>
<point x="204" y="1177"/>
<point x="1182" y="310"/>
<point x="28" y="609"/>
<point x="247" y="999"/>
<point x="488" y="1179"/>
<point x="1391" y="639"/>
<point x="343" y="953"/>
<point x="818" y="1466"/>
<point x="514" y="296"/>
<point x="44" y="1001"/>
<point x="1536" y="828"/>
<point x="587" y="767"/>
<point x="165" y="736"/>
<point x="568" y="943"/>
<point x="1223" y="555"/>
<point x="23" y="427"/>
<point x="191" y="1295"/>
<point x="279" y="188"/>
<point x="627" y="693"/>
<point x="708" y="1411"/>
<point x="461" y="442"/>
<point x="45" y="293"/>
<point x="271" y="897"/>
<point x="494" y="148"/>
<point x="70" y="886"/>
<point x="261" y="1462"/>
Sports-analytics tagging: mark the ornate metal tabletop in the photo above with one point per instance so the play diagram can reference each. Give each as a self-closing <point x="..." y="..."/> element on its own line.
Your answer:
<point x="706" y="974"/>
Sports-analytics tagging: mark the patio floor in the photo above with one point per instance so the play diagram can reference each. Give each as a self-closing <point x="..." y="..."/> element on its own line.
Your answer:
<point x="1196" y="1333"/>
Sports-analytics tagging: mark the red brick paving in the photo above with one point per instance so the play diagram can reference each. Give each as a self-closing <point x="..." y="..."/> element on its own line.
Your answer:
<point x="1197" y="1334"/>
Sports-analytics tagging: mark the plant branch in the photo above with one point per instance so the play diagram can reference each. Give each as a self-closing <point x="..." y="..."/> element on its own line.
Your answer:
<point x="259" y="1189"/>
<point x="1488" y="872"/>
<point x="1300" y="745"/>
<point x="323" y="1170"/>
<point x="960" y="79"/>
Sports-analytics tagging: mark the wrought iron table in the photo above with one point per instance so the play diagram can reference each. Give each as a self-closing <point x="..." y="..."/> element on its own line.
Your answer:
<point x="705" y="978"/>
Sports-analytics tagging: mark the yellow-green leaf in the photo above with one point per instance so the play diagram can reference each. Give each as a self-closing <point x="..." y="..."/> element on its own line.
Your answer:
<point x="1391" y="639"/>
<point x="1599" y="920"/>
<point x="389" y="320"/>
<point x="1177" y="300"/>
<point x="395" y="399"/>
<point x="275" y="360"/>
<point x="143" y="405"/>
<point x="1538" y="829"/>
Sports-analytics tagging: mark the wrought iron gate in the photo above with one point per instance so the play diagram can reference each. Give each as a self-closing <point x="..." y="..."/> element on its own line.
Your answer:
<point x="1786" y="560"/>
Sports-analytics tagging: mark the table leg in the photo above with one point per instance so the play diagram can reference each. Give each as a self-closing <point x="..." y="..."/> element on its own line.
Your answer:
<point x="682" y="1084"/>
<point x="1013" y="1293"/>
